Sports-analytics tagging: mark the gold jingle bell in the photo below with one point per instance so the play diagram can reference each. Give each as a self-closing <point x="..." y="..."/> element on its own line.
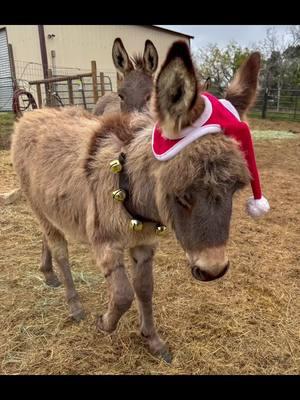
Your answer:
<point x="160" y="230"/>
<point x="136" y="225"/>
<point x="115" y="166"/>
<point x="119" y="195"/>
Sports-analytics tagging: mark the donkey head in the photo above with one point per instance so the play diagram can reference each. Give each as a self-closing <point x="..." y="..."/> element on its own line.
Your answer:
<point x="195" y="188"/>
<point x="136" y="88"/>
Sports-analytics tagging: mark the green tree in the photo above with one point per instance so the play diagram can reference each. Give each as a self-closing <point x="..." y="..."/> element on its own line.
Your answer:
<point x="282" y="60"/>
<point x="220" y="64"/>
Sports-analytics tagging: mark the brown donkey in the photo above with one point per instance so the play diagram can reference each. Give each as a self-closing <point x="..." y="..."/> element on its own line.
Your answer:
<point x="137" y="83"/>
<point x="63" y="161"/>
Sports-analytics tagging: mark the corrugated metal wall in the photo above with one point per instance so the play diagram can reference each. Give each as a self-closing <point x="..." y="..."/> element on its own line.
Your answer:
<point x="76" y="45"/>
<point x="71" y="48"/>
<point x="6" y="82"/>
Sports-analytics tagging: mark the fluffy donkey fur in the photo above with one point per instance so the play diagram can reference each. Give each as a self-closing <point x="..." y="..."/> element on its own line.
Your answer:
<point x="62" y="159"/>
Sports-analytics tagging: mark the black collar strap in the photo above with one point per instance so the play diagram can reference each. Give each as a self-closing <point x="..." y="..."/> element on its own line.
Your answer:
<point x="123" y="195"/>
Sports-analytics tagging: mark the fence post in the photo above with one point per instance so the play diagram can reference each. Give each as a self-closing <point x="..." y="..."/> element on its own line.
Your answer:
<point x="39" y="95"/>
<point x="70" y="90"/>
<point x="265" y="104"/>
<point x="83" y="94"/>
<point x="49" y="89"/>
<point x="295" y="108"/>
<point x="94" y="80"/>
<point x="102" y="83"/>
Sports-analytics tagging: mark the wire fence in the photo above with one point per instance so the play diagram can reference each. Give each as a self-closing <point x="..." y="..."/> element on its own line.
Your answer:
<point x="31" y="71"/>
<point x="281" y="104"/>
<point x="275" y="104"/>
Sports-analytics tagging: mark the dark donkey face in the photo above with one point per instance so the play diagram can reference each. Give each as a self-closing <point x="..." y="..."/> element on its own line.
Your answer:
<point x="196" y="187"/>
<point x="198" y="199"/>
<point x="137" y="84"/>
<point x="201" y="222"/>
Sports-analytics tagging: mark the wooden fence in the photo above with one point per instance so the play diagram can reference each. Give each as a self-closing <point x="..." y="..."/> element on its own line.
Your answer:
<point x="68" y="79"/>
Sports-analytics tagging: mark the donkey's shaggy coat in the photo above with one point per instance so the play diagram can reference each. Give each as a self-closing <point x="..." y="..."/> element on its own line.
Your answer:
<point x="62" y="158"/>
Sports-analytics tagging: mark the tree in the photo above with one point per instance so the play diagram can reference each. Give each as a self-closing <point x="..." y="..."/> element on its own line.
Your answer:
<point x="294" y="31"/>
<point x="219" y="64"/>
<point x="282" y="59"/>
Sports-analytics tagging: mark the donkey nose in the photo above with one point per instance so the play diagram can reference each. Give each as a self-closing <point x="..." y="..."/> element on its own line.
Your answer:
<point x="205" y="276"/>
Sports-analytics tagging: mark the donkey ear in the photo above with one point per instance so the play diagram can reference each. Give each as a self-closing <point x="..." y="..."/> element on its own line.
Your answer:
<point x="120" y="57"/>
<point x="175" y="88"/>
<point x="242" y="90"/>
<point x="150" y="57"/>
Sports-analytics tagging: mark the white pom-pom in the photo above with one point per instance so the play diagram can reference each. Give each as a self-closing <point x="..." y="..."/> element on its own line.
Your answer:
<point x="257" y="207"/>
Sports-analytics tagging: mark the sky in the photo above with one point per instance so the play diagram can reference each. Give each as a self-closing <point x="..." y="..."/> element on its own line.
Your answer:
<point x="244" y="35"/>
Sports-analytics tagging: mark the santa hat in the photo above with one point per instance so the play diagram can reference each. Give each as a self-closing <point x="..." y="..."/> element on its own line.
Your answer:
<point x="257" y="205"/>
<point x="218" y="115"/>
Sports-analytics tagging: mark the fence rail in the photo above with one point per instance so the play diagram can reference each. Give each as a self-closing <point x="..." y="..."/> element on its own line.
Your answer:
<point x="273" y="104"/>
<point x="71" y="85"/>
<point x="281" y="105"/>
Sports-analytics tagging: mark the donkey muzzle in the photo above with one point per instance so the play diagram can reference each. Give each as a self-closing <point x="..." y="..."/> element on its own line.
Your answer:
<point x="205" y="276"/>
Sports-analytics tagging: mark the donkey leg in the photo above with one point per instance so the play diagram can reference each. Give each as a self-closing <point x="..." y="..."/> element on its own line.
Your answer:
<point x="46" y="268"/>
<point x="59" y="249"/>
<point x="142" y="265"/>
<point x="120" y="290"/>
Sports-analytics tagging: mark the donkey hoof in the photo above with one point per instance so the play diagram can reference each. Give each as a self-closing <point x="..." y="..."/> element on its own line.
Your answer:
<point x="53" y="281"/>
<point x="166" y="356"/>
<point x="78" y="315"/>
<point x="100" y="325"/>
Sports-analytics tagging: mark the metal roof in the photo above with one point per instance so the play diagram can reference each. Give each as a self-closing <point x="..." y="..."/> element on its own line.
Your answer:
<point x="170" y="31"/>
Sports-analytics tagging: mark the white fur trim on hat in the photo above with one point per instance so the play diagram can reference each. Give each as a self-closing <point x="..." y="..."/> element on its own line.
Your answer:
<point x="257" y="207"/>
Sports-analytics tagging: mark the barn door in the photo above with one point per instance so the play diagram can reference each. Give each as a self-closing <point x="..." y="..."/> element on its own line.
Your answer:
<point x="6" y="81"/>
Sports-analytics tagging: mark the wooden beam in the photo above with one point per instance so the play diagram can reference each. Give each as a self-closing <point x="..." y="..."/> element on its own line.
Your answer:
<point x="49" y="97"/>
<point x="94" y="79"/>
<point x="44" y="58"/>
<point x="39" y="95"/>
<point x="43" y="50"/>
<point x="102" y="84"/>
<point x="63" y="78"/>
<point x="70" y="90"/>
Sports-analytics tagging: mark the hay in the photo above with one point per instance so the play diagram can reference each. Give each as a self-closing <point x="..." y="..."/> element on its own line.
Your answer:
<point x="246" y="323"/>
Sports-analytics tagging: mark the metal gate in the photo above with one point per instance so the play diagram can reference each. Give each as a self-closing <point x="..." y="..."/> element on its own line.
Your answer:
<point x="6" y="81"/>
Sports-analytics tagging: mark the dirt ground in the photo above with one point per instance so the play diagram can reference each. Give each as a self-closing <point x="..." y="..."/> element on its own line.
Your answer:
<point x="246" y="323"/>
<point x="263" y="124"/>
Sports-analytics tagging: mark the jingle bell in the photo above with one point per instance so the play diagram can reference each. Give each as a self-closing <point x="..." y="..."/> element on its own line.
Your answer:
<point x="136" y="225"/>
<point x="115" y="166"/>
<point x="119" y="195"/>
<point x="161" y="230"/>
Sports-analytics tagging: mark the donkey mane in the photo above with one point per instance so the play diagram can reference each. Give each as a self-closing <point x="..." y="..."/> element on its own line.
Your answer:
<point x="138" y="61"/>
<point x="121" y="128"/>
<point x="213" y="161"/>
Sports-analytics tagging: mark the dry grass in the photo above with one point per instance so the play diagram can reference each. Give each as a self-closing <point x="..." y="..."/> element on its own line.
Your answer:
<point x="246" y="323"/>
<point x="264" y="124"/>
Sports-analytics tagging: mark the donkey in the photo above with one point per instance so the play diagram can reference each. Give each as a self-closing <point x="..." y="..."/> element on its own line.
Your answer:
<point x="68" y="182"/>
<point x="137" y="83"/>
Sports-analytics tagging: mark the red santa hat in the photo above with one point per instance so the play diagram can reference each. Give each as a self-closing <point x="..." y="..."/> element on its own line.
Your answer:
<point x="218" y="115"/>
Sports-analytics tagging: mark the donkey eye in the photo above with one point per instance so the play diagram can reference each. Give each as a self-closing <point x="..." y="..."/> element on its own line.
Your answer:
<point x="218" y="200"/>
<point x="121" y="96"/>
<point x="238" y="185"/>
<point x="148" y="97"/>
